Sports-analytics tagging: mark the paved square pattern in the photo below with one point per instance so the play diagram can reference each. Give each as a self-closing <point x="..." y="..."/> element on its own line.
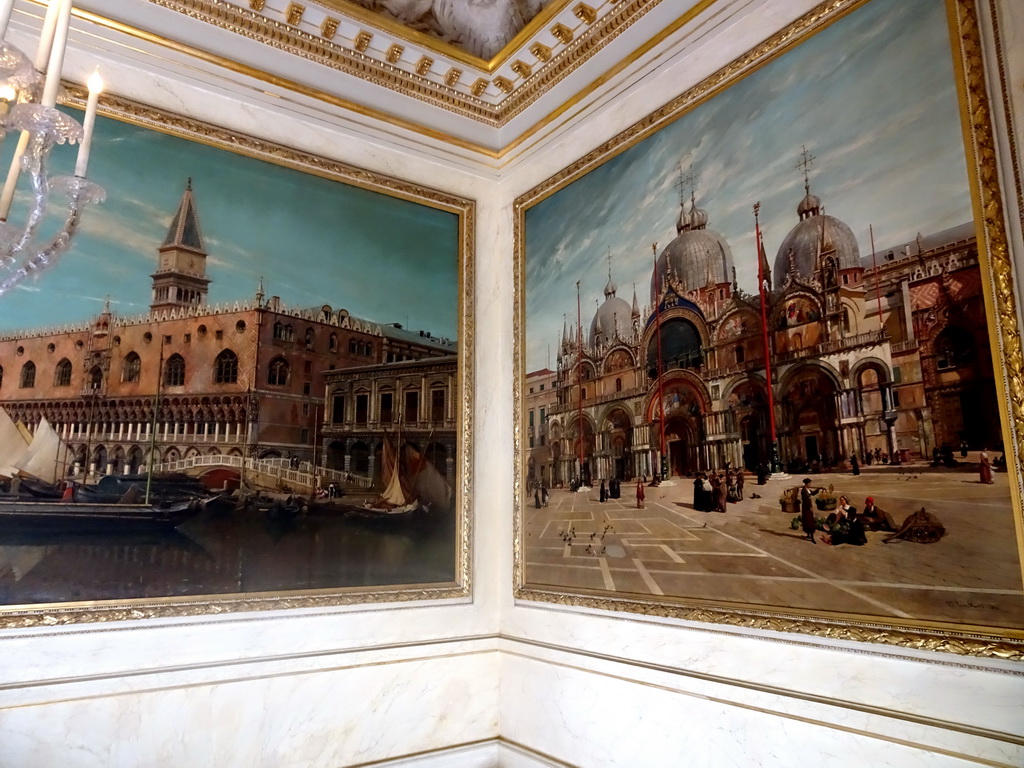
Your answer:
<point x="751" y="556"/>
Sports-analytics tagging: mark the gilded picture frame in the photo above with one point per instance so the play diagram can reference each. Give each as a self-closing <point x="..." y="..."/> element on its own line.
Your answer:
<point x="689" y="409"/>
<point x="436" y="433"/>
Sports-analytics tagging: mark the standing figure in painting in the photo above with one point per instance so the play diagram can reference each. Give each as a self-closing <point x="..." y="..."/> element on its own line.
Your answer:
<point x="739" y="483"/>
<point x="963" y="449"/>
<point x="807" y="521"/>
<point x="984" y="467"/>
<point x="730" y="487"/>
<point x="698" y="492"/>
<point x="604" y="492"/>
<point x="544" y="493"/>
<point x="855" y="464"/>
<point x="718" y="488"/>
<point x="639" y="494"/>
<point x="536" y="498"/>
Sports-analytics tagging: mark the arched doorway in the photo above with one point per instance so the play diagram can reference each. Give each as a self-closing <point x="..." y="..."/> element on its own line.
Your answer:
<point x="809" y="408"/>
<point x="749" y="403"/>
<point x="360" y="458"/>
<point x="583" y="443"/>
<point x="618" y="429"/>
<point x="336" y="455"/>
<point x="683" y="410"/>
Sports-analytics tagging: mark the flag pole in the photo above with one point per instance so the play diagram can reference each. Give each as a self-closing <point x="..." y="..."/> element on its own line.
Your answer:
<point x="663" y="468"/>
<point x="579" y="378"/>
<point x="762" y="289"/>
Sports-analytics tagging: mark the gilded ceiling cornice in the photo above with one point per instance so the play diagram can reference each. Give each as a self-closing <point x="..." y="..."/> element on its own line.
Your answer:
<point x="363" y="44"/>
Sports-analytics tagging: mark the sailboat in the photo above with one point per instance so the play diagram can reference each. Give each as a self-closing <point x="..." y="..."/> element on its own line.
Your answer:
<point x="42" y="464"/>
<point x="398" y="495"/>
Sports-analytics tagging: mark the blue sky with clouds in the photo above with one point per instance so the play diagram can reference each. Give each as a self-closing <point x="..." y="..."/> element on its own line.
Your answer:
<point x="314" y="241"/>
<point x="873" y="99"/>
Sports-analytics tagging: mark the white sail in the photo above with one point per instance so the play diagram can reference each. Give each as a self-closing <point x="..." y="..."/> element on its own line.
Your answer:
<point x="12" y="445"/>
<point x="48" y="456"/>
<point x="393" y="493"/>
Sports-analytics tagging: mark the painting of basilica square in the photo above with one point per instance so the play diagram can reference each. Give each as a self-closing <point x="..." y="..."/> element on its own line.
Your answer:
<point x="277" y="348"/>
<point x="756" y="348"/>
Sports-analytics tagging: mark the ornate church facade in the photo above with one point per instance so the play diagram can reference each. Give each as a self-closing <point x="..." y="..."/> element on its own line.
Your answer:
<point x="885" y="352"/>
<point x="242" y="378"/>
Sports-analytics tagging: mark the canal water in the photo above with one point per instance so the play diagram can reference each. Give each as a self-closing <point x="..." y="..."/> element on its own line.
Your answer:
<point x="227" y="553"/>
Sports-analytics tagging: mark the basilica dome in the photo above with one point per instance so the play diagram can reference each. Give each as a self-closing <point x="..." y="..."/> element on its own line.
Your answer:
<point x="814" y="230"/>
<point x="696" y="257"/>
<point x="613" y="317"/>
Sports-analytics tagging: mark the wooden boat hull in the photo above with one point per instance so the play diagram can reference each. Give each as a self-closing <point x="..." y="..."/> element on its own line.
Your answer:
<point x="75" y="515"/>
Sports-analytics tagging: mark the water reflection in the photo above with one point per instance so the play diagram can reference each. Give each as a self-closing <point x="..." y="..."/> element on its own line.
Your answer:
<point x="226" y="554"/>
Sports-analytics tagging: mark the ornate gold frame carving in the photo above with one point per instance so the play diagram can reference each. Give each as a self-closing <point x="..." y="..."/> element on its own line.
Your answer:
<point x="251" y="146"/>
<point x="1001" y="301"/>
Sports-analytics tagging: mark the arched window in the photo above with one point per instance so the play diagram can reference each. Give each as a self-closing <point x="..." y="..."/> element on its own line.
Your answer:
<point x="846" y="319"/>
<point x="583" y="393"/>
<point x="953" y="348"/>
<point x="310" y="338"/>
<point x="369" y="350"/>
<point x="28" y="375"/>
<point x="96" y="377"/>
<point x="174" y="371"/>
<point x="618" y="385"/>
<point x="741" y="354"/>
<point x="278" y="374"/>
<point x="352" y="346"/>
<point x="225" y="368"/>
<point x="62" y="374"/>
<point x="289" y="333"/>
<point x="131" y="368"/>
<point x="334" y="342"/>
<point x="279" y="331"/>
<point x="680" y="347"/>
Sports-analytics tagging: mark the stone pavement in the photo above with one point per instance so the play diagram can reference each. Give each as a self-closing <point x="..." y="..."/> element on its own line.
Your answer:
<point x="750" y="556"/>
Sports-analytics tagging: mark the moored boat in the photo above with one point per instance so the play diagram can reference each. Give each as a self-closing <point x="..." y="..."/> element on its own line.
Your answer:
<point x="69" y="514"/>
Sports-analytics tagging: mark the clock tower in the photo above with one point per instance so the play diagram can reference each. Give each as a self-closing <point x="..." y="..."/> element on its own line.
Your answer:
<point x="180" y="277"/>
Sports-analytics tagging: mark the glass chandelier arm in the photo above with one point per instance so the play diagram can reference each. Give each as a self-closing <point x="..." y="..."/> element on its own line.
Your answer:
<point x="82" y="192"/>
<point x="45" y="127"/>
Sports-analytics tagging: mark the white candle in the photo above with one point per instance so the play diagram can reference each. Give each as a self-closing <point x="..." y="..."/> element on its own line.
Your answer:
<point x="95" y="88"/>
<point x="7" y="196"/>
<point x="6" y="6"/>
<point x="56" y="63"/>
<point x="46" y="35"/>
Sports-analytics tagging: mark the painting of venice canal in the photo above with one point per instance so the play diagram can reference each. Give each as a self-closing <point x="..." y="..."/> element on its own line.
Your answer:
<point x="231" y="406"/>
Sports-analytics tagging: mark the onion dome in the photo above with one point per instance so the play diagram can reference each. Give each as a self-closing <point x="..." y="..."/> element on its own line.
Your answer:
<point x="683" y="224"/>
<point x="612" y="317"/>
<point x="698" y="256"/>
<point x="814" y="234"/>
<point x="809" y="206"/>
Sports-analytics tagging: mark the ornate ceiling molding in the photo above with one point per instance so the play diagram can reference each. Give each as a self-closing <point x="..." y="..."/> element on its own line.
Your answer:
<point x="364" y="44"/>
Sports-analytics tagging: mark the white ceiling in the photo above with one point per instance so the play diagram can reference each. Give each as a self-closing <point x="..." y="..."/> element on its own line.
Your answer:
<point x="329" y="63"/>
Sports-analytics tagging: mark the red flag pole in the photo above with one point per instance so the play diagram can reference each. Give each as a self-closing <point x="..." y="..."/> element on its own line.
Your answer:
<point x="579" y="376"/>
<point x="762" y="290"/>
<point x="662" y="470"/>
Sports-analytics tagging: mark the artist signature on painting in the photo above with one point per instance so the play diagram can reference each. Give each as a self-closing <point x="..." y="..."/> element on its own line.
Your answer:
<point x="971" y="604"/>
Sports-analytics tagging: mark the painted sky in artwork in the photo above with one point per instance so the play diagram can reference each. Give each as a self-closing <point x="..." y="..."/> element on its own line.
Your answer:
<point x="312" y="240"/>
<point x="873" y="99"/>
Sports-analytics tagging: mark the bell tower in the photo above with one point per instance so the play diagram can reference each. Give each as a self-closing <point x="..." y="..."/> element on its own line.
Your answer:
<point x="180" y="278"/>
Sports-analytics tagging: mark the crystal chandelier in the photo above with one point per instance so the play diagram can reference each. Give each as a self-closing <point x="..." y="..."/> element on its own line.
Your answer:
<point x="30" y="88"/>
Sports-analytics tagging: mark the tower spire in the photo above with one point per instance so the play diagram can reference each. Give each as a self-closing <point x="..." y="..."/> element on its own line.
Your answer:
<point x="180" y="278"/>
